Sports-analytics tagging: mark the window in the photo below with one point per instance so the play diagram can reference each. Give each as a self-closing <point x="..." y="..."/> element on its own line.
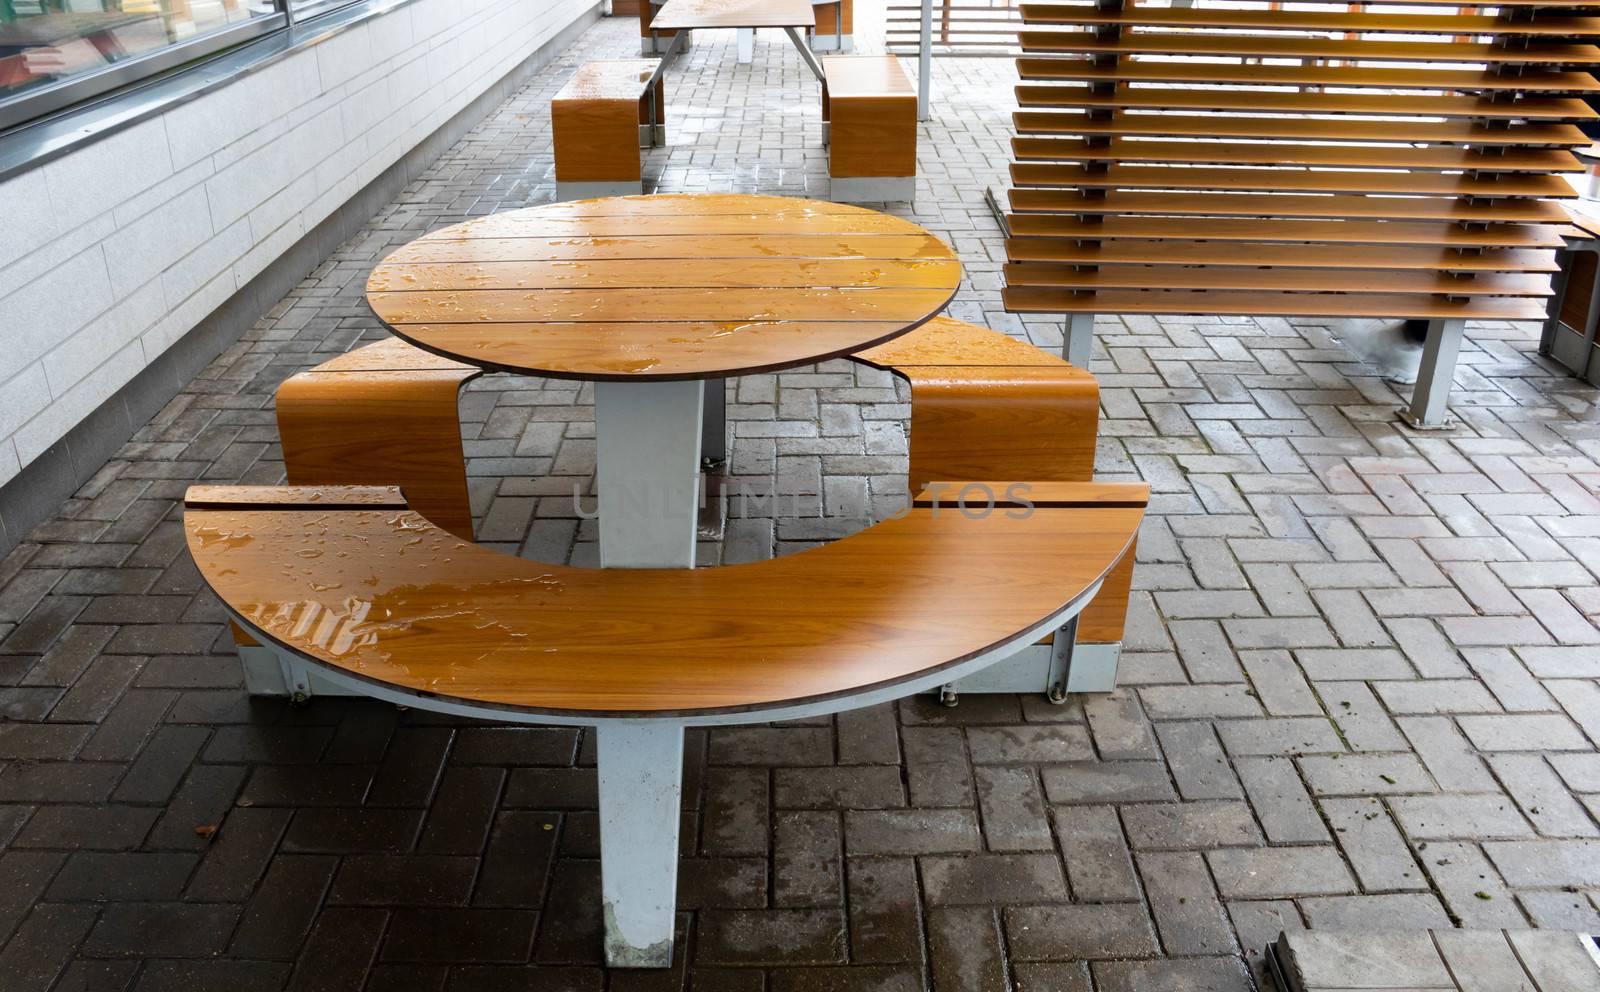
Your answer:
<point x="56" y="53"/>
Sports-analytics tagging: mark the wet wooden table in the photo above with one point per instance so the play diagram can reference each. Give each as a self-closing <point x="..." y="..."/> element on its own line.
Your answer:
<point x="650" y="297"/>
<point x="683" y="16"/>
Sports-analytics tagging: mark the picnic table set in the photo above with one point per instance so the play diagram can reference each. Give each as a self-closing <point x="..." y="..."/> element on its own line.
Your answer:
<point x="339" y="584"/>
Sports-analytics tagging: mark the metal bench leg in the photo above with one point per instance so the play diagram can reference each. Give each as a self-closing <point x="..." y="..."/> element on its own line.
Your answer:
<point x="714" y="426"/>
<point x="1430" y="398"/>
<point x="747" y="45"/>
<point x="641" y="780"/>
<point x="1077" y="344"/>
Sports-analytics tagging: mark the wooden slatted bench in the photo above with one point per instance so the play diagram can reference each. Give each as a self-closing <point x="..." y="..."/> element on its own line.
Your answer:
<point x="835" y="30"/>
<point x="396" y="608"/>
<point x="869" y="123"/>
<point x="986" y="406"/>
<point x="599" y="120"/>
<point x="1297" y="202"/>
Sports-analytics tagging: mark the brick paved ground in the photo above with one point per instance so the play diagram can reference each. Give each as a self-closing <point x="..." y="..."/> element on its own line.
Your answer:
<point x="1361" y="687"/>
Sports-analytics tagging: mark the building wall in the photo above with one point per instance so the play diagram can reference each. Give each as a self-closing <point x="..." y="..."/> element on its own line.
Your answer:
<point x="110" y="255"/>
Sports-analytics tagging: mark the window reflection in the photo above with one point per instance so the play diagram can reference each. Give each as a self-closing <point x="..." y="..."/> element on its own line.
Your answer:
<point x="45" y="41"/>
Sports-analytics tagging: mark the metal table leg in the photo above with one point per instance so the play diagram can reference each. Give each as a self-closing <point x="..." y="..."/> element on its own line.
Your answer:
<point x="806" y="55"/>
<point x="647" y="451"/>
<point x="640" y="767"/>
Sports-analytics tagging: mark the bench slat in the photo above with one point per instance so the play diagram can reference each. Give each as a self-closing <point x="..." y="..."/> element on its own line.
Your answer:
<point x="1256" y="100"/>
<point x="1261" y="46"/>
<point x="1302" y="75"/>
<point x="1300" y="129"/>
<point x="1053" y="201"/>
<point x="1304" y="20"/>
<point x="1289" y="231"/>
<point x="1029" y="299"/>
<point x="1150" y="252"/>
<point x="1442" y="157"/>
<point x="1501" y="185"/>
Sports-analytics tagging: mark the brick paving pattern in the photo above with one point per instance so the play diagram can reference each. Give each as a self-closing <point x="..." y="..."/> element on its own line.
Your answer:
<point x="1362" y="686"/>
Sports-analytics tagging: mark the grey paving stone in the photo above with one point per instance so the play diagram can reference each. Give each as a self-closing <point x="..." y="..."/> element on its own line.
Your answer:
<point x="1188" y="915"/>
<point x="1274" y="872"/>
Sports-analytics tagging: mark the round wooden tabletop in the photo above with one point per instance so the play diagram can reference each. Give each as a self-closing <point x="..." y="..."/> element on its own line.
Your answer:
<point x="669" y="286"/>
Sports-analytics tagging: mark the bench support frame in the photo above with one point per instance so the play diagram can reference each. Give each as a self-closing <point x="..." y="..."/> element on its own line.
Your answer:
<point x="1431" y="394"/>
<point x="872" y="189"/>
<point x="1077" y="339"/>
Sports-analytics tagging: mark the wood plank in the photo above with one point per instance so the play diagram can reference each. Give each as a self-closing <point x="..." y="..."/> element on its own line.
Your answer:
<point x="1288" y="231"/>
<point x="946" y="342"/>
<point x="290" y="497"/>
<point x="683" y="274"/>
<point x="1257" y="19"/>
<point x="866" y="75"/>
<point x="667" y="249"/>
<point x="1262" y="101"/>
<point x="1283" y="279"/>
<point x="903" y="598"/>
<point x="778" y="222"/>
<point x="1265" y="304"/>
<point x="1275" y="205"/>
<point x="1354" y="77"/>
<point x="690" y="14"/>
<point x="1260" y="46"/>
<point x="1300" y="129"/>
<point x="663" y="351"/>
<point x="1332" y="256"/>
<point x="1439" y="158"/>
<point x="1051" y="494"/>
<point x="1291" y="181"/>
<point x="664" y="304"/>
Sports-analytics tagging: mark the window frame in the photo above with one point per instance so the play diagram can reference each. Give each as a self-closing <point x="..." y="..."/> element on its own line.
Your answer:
<point x="38" y="104"/>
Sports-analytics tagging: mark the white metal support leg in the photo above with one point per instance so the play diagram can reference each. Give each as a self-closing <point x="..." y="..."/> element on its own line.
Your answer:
<point x="641" y="779"/>
<point x="714" y="429"/>
<point x="647" y="448"/>
<point x="924" y="60"/>
<point x="746" y="45"/>
<point x="1077" y="343"/>
<point x="1431" y="395"/>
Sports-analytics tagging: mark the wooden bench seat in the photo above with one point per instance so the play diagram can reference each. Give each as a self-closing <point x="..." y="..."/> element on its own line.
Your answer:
<point x="984" y="406"/>
<point x="869" y="115"/>
<point x="987" y="406"/>
<point x="394" y="607"/>
<point x="599" y="120"/>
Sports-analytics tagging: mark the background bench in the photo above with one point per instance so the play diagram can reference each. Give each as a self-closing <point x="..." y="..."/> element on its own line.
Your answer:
<point x="869" y="123"/>
<point x="599" y="120"/>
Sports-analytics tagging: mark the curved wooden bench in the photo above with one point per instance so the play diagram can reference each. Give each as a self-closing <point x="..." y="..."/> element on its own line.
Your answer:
<point x="987" y="406"/>
<point x="353" y="584"/>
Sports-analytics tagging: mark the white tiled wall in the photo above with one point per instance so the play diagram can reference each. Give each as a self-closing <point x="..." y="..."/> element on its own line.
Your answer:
<point x="112" y="253"/>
